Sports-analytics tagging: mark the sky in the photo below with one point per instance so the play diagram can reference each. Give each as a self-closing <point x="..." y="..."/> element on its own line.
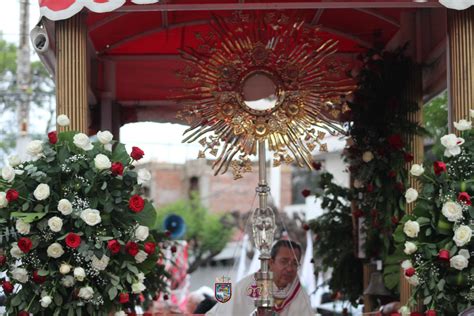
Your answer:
<point x="147" y="135"/>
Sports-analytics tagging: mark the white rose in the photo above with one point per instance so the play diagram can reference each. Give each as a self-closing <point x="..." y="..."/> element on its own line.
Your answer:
<point x="358" y="184"/>
<point x="404" y="311"/>
<point x="15" y="251"/>
<point x="34" y="148"/>
<point x="86" y="292"/>
<point x="14" y="160"/>
<point x="141" y="256"/>
<point x="3" y="200"/>
<point x="65" y="268"/>
<point x="452" y="211"/>
<point x="63" y="120"/>
<point x="55" y="250"/>
<point x="462" y="235"/>
<point x="104" y="137"/>
<point x="143" y="176"/>
<point x="458" y="262"/>
<point x="100" y="264"/>
<point x="471" y="113"/>
<point x="65" y="207"/>
<point x="464" y="253"/>
<point x="91" y="217"/>
<point x="41" y="192"/>
<point x="120" y="313"/>
<point x="82" y="141"/>
<point x="45" y="301"/>
<point x="406" y="264"/>
<point x="138" y="287"/>
<point x="411" y="195"/>
<point x="417" y="170"/>
<point x="8" y="173"/>
<point x="413" y="280"/>
<point x="55" y="224"/>
<point x="20" y="274"/>
<point x="410" y="248"/>
<point x="367" y="156"/>
<point x="462" y="125"/>
<point x="141" y="277"/>
<point x="68" y="281"/>
<point x="79" y="274"/>
<point x="452" y="143"/>
<point x="102" y="162"/>
<point x="411" y="228"/>
<point x="141" y="233"/>
<point x="22" y="227"/>
<point x="108" y="147"/>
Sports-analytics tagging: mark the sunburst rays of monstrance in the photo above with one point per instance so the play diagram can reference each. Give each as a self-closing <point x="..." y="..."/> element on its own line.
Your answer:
<point x="257" y="80"/>
<point x="247" y="60"/>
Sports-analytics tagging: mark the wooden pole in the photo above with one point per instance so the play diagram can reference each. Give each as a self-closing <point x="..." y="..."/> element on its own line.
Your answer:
<point x="71" y="72"/>
<point x="460" y="64"/>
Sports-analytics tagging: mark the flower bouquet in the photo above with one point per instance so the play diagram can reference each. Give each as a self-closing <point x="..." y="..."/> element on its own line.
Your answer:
<point x="436" y="238"/>
<point x="81" y="242"/>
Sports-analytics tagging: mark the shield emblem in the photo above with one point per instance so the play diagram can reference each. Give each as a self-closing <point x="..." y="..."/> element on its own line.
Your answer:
<point x="223" y="292"/>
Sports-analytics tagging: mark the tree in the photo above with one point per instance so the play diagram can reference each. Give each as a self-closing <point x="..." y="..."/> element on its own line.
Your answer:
<point x="435" y="118"/>
<point x="207" y="234"/>
<point x="42" y="91"/>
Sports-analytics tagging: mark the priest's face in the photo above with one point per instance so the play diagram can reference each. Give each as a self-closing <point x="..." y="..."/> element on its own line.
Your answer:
<point x="285" y="266"/>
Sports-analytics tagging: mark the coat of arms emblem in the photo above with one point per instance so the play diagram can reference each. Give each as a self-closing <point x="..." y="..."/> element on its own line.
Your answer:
<point x="223" y="289"/>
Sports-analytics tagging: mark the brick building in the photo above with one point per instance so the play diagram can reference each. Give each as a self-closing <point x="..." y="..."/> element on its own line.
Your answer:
<point x="171" y="182"/>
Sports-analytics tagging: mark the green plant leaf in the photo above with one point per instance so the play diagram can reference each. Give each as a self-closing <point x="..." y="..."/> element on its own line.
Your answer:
<point x="28" y="217"/>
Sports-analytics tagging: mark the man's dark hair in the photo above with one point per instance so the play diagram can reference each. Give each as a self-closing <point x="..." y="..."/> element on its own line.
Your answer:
<point x="284" y="243"/>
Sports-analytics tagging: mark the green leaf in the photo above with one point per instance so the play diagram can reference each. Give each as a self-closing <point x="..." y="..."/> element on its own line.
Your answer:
<point x="120" y="154"/>
<point x="25" y="206"/>
<point x="112" y="292"/>
<point x="147" y="216"/>
<point x="132" y="269"/>
<point x="427" y="300"/>
<point x="423" y="221"/>
<point x="28" y="217"/>
<point x="16" y="300"/>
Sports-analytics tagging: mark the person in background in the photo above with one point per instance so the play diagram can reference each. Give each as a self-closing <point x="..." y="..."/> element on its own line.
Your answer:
<point x="289" y="297"/>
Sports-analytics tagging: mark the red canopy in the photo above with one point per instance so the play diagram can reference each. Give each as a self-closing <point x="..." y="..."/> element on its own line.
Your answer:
<point x="136" y="43"/>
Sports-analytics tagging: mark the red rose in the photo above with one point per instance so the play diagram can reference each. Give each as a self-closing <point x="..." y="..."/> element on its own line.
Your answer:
<point x="392" y="174"/>
<point x="410" y="272"/>
<point x="7" y="287"/>
<point x="117" y="168"/>
<point x="124" y="298"/>
<point x="399" y="186"/>
<point x="395" y="314"/>
<point x="167" y="233"/>
<point x="173" y="249"/>
<point x="38" y="278"/>
<point x="416" y="314"/>
<point x="137" y="153"/>
<point x="136" y="203"/>
<point x="408" y="157"/>
<point x="150" y="247"/>
<point x="73" y="240"/>
<point x="12" y="195"/>
<point x="370" y="187"/>
<point x="132" y="248"/>
<point x="439" y="167"/>
<point x="464" y="198"/>
<point x="357" y="213"/>
<point x="443" y="255"/>
<point x="114" y="246"/>
<point x="430" y="312"/>
<point x="395" y="220"/>
<point x="53" y="137"/>
<point x="395" y="141"/>
<point x="23" y="313"/>
<point x="25" y="244"/>
<point x="305" y="227"/>
<point x="165" y="297"/>
<point x="305" y="193"/>
<point x="3" y="259"/>
<point x="316" y="165"/>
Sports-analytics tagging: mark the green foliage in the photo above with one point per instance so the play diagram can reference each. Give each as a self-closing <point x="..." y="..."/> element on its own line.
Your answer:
<point x="443" y="206"/>
<point x="334" y="246"/>
<point x="83" y="179"/>
<point x="435" y="119"/>
<point x="206" y="233"/>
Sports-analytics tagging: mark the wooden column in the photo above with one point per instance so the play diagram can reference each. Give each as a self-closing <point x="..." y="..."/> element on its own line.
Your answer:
<point x="414" y="93"/>
<point x="460" y="64"/>
<point x="71" y="72"/>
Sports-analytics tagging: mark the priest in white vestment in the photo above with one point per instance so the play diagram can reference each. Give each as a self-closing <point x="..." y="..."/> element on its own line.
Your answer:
<point x="289" y="297"/>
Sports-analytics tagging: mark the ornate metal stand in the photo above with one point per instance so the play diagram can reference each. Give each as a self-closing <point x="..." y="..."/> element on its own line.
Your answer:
<point x="263" y="227"/>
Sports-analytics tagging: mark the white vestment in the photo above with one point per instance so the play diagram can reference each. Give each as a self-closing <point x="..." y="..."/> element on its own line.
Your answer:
<point x="241" y="304"/>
